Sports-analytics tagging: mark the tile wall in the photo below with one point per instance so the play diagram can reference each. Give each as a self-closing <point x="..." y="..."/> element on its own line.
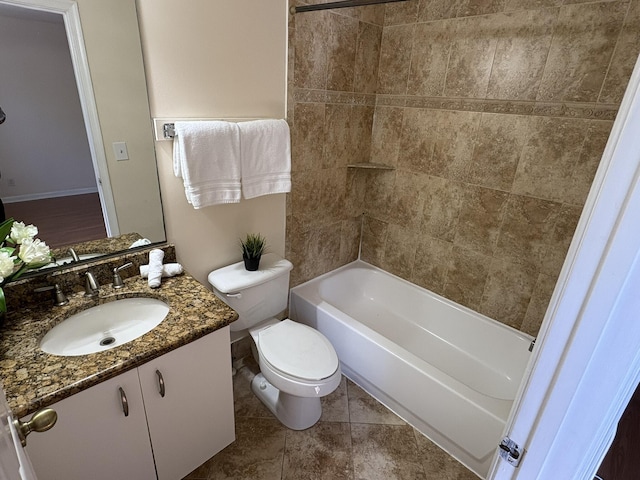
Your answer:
<point x="495" y="115"/>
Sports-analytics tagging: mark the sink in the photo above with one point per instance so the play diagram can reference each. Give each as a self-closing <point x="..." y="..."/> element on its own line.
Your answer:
<point x="104" y="326"/>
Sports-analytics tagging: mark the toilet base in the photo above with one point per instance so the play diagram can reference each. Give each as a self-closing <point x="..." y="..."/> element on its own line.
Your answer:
<point x="296" y="413"/>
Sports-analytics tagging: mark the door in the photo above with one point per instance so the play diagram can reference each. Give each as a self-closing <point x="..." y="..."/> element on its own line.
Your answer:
<point x="14" y="461"/>
<point x="586" y="364"/>
<point x="188" y="398"/>
<point x="93" y="438"/>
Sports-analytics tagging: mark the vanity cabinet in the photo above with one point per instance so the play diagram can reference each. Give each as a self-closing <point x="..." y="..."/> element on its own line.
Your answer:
<point x="180" y="414"/>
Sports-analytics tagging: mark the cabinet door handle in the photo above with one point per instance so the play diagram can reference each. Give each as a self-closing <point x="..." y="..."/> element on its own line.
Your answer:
<point x="125" y="403"/>
<point x="160" y="383"/>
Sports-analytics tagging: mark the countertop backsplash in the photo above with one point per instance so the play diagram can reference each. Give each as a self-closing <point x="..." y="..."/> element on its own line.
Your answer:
<point x="22" y="292"/>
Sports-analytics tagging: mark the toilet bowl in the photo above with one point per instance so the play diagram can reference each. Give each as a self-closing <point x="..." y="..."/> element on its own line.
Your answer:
<point x="298" y="365"/>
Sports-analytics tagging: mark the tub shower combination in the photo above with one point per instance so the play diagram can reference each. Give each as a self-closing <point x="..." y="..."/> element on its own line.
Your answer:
<point x="448" y="371"/>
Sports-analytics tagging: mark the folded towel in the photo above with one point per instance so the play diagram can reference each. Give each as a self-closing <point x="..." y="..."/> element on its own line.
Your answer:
<point x="207" y="157"/>
<point x="155" y="267"/>
<point x="265" y="152"/>
<point x="168" y="270"/>
<point x="140" y="243"/>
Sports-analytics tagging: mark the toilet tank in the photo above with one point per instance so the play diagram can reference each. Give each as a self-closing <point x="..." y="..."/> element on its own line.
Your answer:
<point x="256" y="296"/>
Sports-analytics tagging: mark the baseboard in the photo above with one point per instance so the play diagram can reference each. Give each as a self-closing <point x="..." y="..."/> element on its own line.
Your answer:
<point x="41" y="196"/>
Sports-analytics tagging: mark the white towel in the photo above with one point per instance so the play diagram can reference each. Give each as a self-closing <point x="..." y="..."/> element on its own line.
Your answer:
<point x="141" y="242"/>
<point x="265" y="152"/>
<point x="155" y="267"/>
<point x="207" y="157"/>
<point x="168" y="270"/>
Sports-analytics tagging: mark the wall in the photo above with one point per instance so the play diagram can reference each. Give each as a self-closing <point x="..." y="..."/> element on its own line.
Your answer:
<point x="215" y="60"/>
<point x="495" y="115"/>
<point x="112" y="42"/>
<point x="333" y="57"/>
<point x="44" y="118"/>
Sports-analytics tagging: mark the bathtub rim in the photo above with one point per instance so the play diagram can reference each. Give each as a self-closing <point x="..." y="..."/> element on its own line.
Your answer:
<point x="359" y="262"/>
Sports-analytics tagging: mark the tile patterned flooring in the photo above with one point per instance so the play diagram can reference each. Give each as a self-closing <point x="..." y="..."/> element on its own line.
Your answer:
<point x="356" y="438"/>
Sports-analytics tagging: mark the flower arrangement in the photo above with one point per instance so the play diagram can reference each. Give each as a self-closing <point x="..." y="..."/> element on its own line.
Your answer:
<point x="19" y="251"/>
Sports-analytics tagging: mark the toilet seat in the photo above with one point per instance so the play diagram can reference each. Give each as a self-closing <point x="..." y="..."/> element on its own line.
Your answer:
<point x="297" y="351"/>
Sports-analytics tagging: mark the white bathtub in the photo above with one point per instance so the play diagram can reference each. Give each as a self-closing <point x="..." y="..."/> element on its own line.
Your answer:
<point x="447" y="370"/>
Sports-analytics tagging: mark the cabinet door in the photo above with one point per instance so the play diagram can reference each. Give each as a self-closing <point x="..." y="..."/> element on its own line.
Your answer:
<point x="194" y="420"/>
<point x="93" y="439"/>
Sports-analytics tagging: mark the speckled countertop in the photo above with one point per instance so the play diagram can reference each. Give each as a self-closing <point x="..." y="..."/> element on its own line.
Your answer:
<point x="33" y="379"/>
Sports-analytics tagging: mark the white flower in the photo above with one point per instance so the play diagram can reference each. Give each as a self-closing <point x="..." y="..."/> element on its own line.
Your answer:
<point x="34" y="252"/>
<point x="21" y="232"/>
<point x="6" y="265"/>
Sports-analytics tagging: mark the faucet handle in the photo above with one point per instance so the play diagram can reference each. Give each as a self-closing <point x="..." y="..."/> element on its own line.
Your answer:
<point x="60" y="297"/>
<point x="117" y="279"/>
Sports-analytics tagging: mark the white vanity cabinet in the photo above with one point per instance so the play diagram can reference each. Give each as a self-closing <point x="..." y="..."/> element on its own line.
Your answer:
<point x="93" y="439"/>
<point x="194" y="420"/>
<point x="180" y="413"/>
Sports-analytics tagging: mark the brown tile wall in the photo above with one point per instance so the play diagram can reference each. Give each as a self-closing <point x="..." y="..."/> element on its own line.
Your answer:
<point x="333" y="65"/>
<point x="495" y="115"/>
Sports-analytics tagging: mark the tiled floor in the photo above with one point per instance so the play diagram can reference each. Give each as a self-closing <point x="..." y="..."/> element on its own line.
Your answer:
<point x="356" y="438"/>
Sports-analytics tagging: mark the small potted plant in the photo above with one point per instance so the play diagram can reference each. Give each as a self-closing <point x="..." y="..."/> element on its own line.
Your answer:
<point x="253" y="246"/>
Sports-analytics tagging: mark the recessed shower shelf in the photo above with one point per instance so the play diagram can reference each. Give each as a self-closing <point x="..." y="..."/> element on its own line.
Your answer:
<point x="371" y="166"/>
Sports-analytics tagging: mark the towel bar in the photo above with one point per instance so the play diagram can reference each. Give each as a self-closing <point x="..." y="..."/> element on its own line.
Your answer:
<point x="169" y="130"/>
<point x="165" y="128"/>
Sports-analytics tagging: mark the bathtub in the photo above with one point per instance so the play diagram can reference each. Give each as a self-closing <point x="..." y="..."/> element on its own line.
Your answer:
<point x="448" y="371"/>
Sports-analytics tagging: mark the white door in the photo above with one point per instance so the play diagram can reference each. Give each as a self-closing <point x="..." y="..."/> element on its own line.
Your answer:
<point x="101" y="434"/>
<point x="587" y="359"/>
<point x="189" y="403"/>
<point x="14" y="461"/>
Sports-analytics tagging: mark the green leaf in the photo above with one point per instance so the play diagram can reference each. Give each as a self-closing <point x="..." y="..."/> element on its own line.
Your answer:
<point x="5" y="228"/>
<point x="23" y="268"/>
<point x="253" y="245"/>
<point x="3" y="304"/>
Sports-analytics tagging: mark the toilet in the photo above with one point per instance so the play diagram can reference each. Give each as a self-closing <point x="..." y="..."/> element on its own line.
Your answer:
<point x="298" y="365"/>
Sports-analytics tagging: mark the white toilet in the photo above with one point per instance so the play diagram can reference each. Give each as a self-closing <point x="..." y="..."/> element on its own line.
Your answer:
<point x="298" y="364"/>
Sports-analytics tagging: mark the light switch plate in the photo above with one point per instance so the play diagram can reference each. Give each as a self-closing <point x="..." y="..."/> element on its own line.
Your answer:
<point x="120" y="149"/>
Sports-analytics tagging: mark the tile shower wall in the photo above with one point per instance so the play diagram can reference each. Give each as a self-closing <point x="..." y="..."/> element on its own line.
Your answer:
<point x="333" y="68"/>
<point x="495" y="115"/>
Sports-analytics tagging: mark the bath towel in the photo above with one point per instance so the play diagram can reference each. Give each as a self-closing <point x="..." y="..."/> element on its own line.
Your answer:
<point x="207" y="156"/>
<point x="265" y="152"/>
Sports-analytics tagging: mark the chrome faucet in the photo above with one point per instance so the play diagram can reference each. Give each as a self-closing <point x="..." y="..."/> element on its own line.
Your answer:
<point x="74" y="255"/>
<point x="91" y="286"/>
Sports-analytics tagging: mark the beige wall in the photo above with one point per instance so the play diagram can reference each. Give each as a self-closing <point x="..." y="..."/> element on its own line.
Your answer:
<point x="494" y="114"/>
<point x="112" y="42"/>
<point x="214" y="60"/>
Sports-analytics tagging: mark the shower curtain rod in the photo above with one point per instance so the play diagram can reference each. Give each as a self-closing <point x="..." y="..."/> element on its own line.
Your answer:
<point x="341" y="4"/>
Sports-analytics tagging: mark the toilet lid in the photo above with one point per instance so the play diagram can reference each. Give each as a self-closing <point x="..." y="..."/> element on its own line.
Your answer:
<point x="298" y="350"/>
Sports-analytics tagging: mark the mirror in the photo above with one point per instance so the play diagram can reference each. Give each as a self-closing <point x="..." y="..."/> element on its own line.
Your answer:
<point x="92" y="153"/>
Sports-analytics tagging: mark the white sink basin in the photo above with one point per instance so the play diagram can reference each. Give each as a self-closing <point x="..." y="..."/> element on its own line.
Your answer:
<point x="104" y="326"/>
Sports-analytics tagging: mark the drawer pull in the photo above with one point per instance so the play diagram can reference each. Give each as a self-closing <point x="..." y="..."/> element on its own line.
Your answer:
<point x="160" y="383"/>
<point x="125" y="403"/>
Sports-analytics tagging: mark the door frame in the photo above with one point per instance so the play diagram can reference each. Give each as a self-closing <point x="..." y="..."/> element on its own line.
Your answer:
<point x="586" y="364"/>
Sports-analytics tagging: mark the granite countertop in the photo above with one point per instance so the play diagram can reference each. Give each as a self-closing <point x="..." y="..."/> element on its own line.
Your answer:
<point x="33" y="379"/>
